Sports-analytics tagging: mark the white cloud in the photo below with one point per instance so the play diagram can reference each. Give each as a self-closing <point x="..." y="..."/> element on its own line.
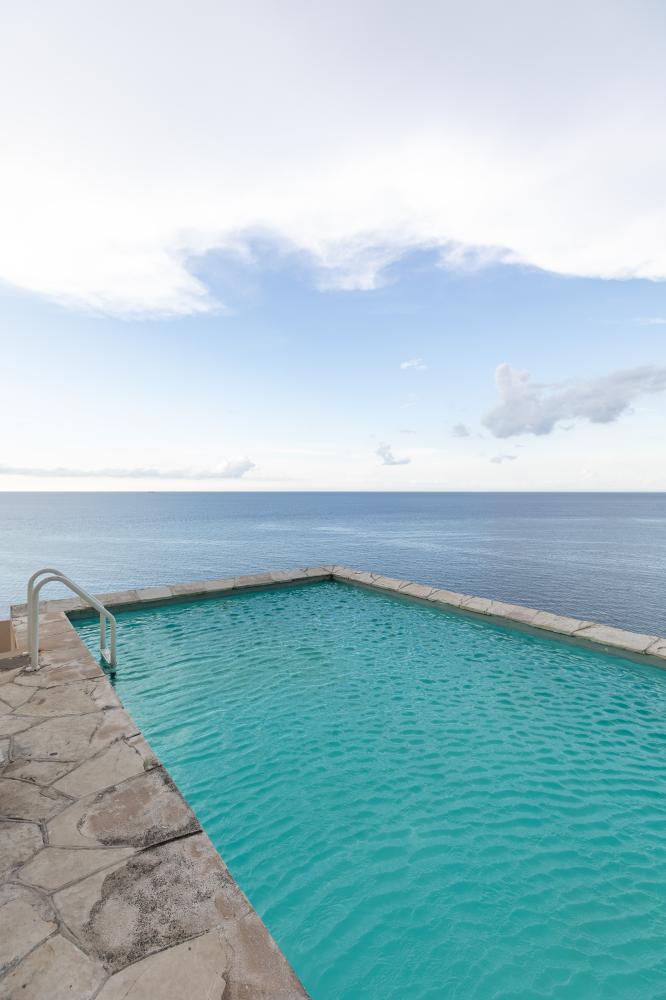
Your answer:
<point x="526" y="407"/>
<point x="416" y="363"/>
<point x="388" y="458"/>
<point x="503" y="457"/>
<point x="234" y="469"/>
<point x="651" y="320"/>
<point x="460" y="431"/>
<point x="138" y="137"/>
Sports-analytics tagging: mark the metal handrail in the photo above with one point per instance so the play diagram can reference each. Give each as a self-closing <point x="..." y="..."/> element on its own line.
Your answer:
<point x="51" y="575"/>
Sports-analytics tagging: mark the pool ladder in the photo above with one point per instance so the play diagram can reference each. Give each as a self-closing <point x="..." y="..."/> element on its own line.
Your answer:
<point x="50" y="575"/>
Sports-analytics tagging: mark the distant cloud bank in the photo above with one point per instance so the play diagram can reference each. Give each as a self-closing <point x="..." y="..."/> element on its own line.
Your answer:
<point x="388" y="458"/>
<point x="417" y="363"/>
<point x="232" y="470"/>
<point x="528" y="407"/>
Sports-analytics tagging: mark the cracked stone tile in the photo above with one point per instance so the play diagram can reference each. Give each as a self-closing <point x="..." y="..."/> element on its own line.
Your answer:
<point x="194" y="969"/>
<point x="252" y="580"/>
<point x="287" y="575"/>
<point x="154" y="593"/>
<point x="59" y="605"/>
<point x="41" y="772"/>
<point x="55" y="867"/>
<point x="104" y="696"/>
<point x="557" y="623"/>
<point x="479" y="604"/>
<point x="56" y="970"/>
<point x="118" y="598"/>
<point x="142" y="811"/>
<point x="15" y="694"/>
<point x="202" y="587"/>
<point x="657" y="648"/>
<point x="121" y="761"/>
<point x="447" y="597"/>
<point x="420" y="590"/>
<point x="388" y="583"/>
<point x="11" y="724"/>
<point x="143" y="748"/>
<point x="26" y="918"/>
<point x="49" y="640"/>
<point x="159" y="898"/>
<point x="366" y="578"/>
<point x="19" y="842"/>
<point x="8" y="676"/>
<point x="25" y="800"/>
<point x="513" y="612"/>
<point x="52" y="627"/>
<point x="74" y="738"/>
<point x="61" y="668"/>
<point x="66" y="699"/>
<point x="258" y="968"/>
<point x="343" y="572"/>
<point x="4" y="751"/>
<point x="636" y="642"/>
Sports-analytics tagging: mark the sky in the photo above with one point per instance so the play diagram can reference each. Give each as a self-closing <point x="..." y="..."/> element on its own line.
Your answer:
<point x="319" y="245"/>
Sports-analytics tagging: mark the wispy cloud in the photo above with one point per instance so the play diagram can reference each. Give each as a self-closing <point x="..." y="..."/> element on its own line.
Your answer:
<point x="234" y="469"/>
<point x="503" y="457"/>
<point x="460" y="431"/>
<point x="528" y="407"/>
<point x="388" y="458"/>
<point x="651" y="320"/>
<point x="417" y="364"/>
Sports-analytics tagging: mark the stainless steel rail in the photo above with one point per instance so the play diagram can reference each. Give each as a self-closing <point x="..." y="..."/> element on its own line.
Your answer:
<point x="51" y="575"/>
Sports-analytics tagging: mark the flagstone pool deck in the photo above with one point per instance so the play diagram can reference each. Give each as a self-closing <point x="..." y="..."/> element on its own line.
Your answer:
<point x="109" y="888"/>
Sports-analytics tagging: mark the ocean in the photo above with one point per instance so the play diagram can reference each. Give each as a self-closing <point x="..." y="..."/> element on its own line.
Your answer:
<point x="598" y="556"/>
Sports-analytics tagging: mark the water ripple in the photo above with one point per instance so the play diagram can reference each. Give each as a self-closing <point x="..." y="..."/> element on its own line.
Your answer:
<point x="418" y="804"/>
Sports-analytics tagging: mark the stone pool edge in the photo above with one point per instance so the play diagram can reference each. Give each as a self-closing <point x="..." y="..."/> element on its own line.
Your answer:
<point x="645" y="647"/>
<point x="109" y="887"/>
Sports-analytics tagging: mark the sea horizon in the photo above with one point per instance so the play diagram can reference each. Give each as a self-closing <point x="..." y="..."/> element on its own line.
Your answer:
<point x="544" y="549"/>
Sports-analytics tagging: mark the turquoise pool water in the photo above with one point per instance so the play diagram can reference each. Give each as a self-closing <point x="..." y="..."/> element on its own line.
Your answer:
<point x="420" y="805"/>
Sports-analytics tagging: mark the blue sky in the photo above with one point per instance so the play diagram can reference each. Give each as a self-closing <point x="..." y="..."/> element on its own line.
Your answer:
<point x="308" y="277"/>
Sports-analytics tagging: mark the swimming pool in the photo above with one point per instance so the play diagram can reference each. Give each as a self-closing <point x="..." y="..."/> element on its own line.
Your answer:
<point x="418" y="803"/>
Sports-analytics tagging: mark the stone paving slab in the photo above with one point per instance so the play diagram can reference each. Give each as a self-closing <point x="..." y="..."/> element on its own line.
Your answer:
<point x="56" y="867"/>
<point x="25" y="800"/>
<point x="20" y="841"/>
<point x="142" y="811"/>
<point x="196" y="968"/>
<point x="27" y="919"/>
<point x="56" y="970"/>
<point x="72" y="737"/>
<point x="161" y="896"/>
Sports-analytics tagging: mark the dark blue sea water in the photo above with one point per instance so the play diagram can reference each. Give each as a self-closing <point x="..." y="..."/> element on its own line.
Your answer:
<point x="600" y="556"/>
